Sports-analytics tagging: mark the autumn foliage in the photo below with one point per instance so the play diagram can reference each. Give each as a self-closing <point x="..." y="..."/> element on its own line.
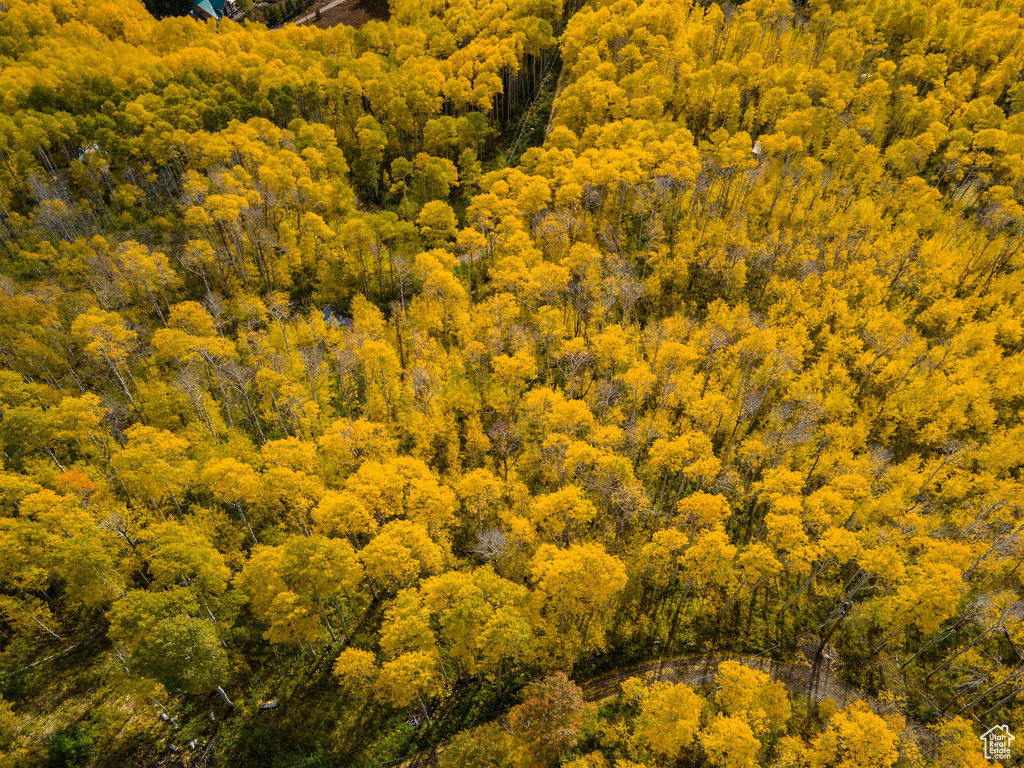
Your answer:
<point x="338" y="369"/>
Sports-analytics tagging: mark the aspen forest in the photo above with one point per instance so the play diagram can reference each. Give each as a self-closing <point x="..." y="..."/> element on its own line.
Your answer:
<point x="512" y="384"/>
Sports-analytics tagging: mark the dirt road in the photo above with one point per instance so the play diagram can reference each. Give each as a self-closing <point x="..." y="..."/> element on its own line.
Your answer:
<point x="353" y="13"/>
<point x="799" y="679"/>
<point x="312" y="14"/>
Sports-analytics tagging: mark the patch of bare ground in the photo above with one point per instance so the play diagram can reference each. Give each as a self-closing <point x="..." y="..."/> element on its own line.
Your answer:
<point x="354" y="13"/>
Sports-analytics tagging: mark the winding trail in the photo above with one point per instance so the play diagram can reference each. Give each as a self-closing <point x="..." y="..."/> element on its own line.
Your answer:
<point x="799" y="679"/>
<point x="563" y="80"/>
<point x="699" y="670"/>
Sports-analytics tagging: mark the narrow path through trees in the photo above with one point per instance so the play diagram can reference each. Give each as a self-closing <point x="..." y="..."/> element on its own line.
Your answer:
<point x="800" y="679"/>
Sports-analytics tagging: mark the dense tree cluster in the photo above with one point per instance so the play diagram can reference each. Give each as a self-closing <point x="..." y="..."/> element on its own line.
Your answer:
<point x="732" y="361"/>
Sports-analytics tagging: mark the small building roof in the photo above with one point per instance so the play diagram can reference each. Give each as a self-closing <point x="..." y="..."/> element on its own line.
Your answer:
<point x="213" y="9"/>
<point x="205" y="9"/>
<point x="334" y="321"/>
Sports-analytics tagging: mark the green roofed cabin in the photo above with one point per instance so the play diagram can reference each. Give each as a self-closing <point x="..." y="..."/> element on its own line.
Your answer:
<point x="214" y="9"/>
